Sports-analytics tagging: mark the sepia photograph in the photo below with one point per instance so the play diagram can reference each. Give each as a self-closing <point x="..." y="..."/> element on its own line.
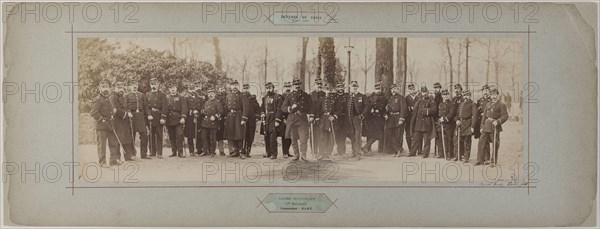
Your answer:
<point x="301" y="108"/>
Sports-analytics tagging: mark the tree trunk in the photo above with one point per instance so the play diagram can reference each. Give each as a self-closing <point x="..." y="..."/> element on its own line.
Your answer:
<point x="303" y="61"/>
<point x="264" y="80"/>
<point x="487" y="71"/>
<point x="449" y="64"/>
<point x="467" y="63"/>
<point x="218" y="60"/>
<point x="401" y="64"/>
<point x="384" y="63"/>
<point x="329" y="62"/>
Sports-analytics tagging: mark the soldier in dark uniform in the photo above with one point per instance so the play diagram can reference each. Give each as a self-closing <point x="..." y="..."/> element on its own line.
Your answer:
<point x="437" y="90"/>
<point x="494" y="115"/>
<point x="324" y="114"/>
<point x="157" y="112"/>
<point x="446" y="113"/>
<point x="253" y="110"/>
<point x="458" y="97"/>
<point x="272" y="118"/>
<point x="237" y="108"/>
<point x="102" y="112"/>
<point x="286" y="141"/>
<point x="395" y="118"/>
<point x="465" y="119"/>
<point x="195" y="101"/>
<point x="317" y="96"/>
<point x="221" y="96"/>
<point x="423" y="124"/>
<point x="374" y="122"/>
<point x="136" y="107"/>
<point x="480" y="106"/>
<point x="121" y="122"/>
<point x="411" y="99"/>
<point x="356" y="107"/>
<point x="341" y="120"/>
<point x="298" y="106"/>
<point x="210" y="113"/>
<point x="176" y="115"/>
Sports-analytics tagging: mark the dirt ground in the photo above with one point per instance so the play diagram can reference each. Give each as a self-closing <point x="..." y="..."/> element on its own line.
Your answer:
<point x="401" y="170"/>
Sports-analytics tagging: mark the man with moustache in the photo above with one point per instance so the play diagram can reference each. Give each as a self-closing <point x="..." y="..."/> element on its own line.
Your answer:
<point x="210" y="113"/>
<point x="136" y="107"/>
<point x="272" y="118"/>
<point x="195" y="101"/>
<point x="356" y="107"/>
<point x="481" y="102"/>
<point x="325" y="113"/>
<point x="121" y="121"/>
<point x="157" y="114"/>
<point x="374" y="122"/>
<point x="395" y="119"/>
<point x="176" y="114"/>
<point x="494" y="115"/>
<point x="286" y="141"/>
<point x="446" y="113"/>
<point x="253" y="110"/>
<point x="298" y="105"/>
<point x="237" y="107"/>
<point x="317" y="96"/>
<point x="221" y="96"/>
<point x="102" y="113"/>
<point x="341" y="120"/>
<point x="423" y="124"/>
<point x="411" y="99"/>
<point x="465" y="119"/>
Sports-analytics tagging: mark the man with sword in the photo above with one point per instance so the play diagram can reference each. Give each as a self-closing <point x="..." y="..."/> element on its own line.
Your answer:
<point x="445" y="127"/>
<point x="102" y="113"/>
<point x="136" y="107"/>
<point x="121" y="121"/>
<point x="494" y="115"/>
<point x="272" y="118"/>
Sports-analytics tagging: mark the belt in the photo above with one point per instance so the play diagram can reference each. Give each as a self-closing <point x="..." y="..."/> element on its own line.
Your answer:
<point x="270" y="112"/>
<point x="136" y="110"/>
<point x="395" y="113"/>
<point x="234" y="111"/>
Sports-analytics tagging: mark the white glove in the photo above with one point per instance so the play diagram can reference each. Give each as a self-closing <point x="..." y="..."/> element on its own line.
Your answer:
<point x="441" y="119"/>
<point x="162" y="121"/>
<point x="243" y="122"/>
<point x="276" y="123"/>
<point x="182" y="121"/>
<point x="472" y="130"/>
<point x="311" y="119"/>
<point x="294" y="106"/>
<point x="400" y="122"/>
<point x="195" y="112"/>
<point x="129" y="114"/>
<point x="212" y="118"/>
<point x="385" y="117"/>
<point x="457" y="122"/>
<point x="114" y="110"/>
<point x="150" y="117"/>
<point x="331" y="118"/>
<point x="495" y="123"/>
<point x="262" y="115"/>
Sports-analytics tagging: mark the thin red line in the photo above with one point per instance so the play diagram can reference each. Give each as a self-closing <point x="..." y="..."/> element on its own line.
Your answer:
<point x="304" y="32"/>
<point x="528" y="110"/>
<point x="252" y="186"/>
<point x="72" y="118"/>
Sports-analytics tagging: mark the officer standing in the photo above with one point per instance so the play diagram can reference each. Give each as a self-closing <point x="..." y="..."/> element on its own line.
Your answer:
<point x="437" y="90"/>
<point x="136" y="107"/>
<point x="341" y="121"/>
<point x="176" y="115"/>
<point x="222" y="96"/>
<point x="395" y="119"/>
<point x="211" y="112"/>
<point x="253" y="110"/>
<point x="356" y="107"/>
<point x="286" y="141"/>
<point x="102" y="112"/>
<point x="446" y="113"/>
<point x="121" y="124"/>
<point x="317" y="96"/>
<point x="458" y="97"/>
<point x="157" y="112"/>
<point x="324" y="113"/>
<point x="465" y="121"/>
<point x="271" y="117"/>
<point x="494" y="115"/>
<point x="374" y="121"/>
<point x="481" y="102"/>
<point x="237" y="108"/>
<point x="422" y="123"/>
<point x="298" y="106"/>
<point x="195" y="101"/>
<point x="411" y="99"/>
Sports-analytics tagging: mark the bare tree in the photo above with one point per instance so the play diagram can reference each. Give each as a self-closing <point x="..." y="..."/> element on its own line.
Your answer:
<point x="176" y="44"/>
<point x="384" y="62"/>
<point x="218" y="57"/>
<point x="401" y="63"/>
<point x="366" y="63"/>
<point x="303" y="60"/>
<point x="413" y="70"/>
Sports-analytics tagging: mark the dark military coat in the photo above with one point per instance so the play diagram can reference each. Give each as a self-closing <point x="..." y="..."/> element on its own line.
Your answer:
<point x="212" y="108"/>
<point x="237" y="107"/>
<point x="446" y="111"/>
<point x="423" y="114"/>
<point x="296" y="116"/>
<point x="177" y="109"/>
<point x="271" y="104"/>
<point x="121" y="123"/>
<point x="136" y="104"/>
<point x="494" y="111"/>
<point x="156" y="106"/>
<point x="374" y="120"/>
<point x="480" y="106"/>
<point x="102" y="112"/>
<point x="467" y="113"/>
<point x="396" y="111"/>
<point x="195" y="101"/>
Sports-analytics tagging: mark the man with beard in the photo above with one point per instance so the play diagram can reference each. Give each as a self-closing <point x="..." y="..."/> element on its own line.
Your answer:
<point x="157" y="112"/>
<point x="102" y="112"/>
<point x="195" y="101"/>
<point x="237" y="107"/>
<point x="494" y="115"/>
<point x="136" y="107"/>
<point x="324" y="113"/>
<point x="395" y="119"/>
<point x="221" y="96"/>
<point x="356" y="107"/>
<point x="210" y="113"/>
<point x="446" y="113"/>
<point x="437" y="90"/>
<point x="374" y="121"/>
<point x="422" y="123"/>
<point x="465" y="119"/>
<point x="458" y="97"/>
<point x="341" y="121"/>
<point x="253" y="110"/>
<point x="121" y="121"/>
<point x="411" y="99"/>
<point x="176" y="115"/>
<point x="272" y="118"/>
<point x="298" y="106"/>
<point x="286" y="141"/>
<point x="317" y="96"/>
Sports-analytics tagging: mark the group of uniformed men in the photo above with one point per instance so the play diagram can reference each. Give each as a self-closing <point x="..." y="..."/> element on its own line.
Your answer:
<point x="322" y="119"/>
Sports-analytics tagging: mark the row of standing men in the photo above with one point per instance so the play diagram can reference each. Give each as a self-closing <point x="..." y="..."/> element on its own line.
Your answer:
<point x="327" y="118"/>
